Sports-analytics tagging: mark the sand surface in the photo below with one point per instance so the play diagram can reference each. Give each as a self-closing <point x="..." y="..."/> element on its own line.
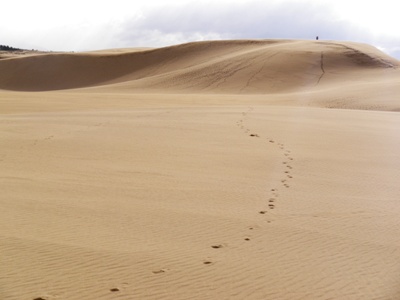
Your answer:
<point x="212" y="170"/>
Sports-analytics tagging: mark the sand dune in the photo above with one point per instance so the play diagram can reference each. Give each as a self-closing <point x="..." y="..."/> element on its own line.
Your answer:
<point x="211" y="170"/>
<point x="216" y="67"/>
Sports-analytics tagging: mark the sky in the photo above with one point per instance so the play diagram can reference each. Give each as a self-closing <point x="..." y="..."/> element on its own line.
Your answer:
<point x="82" y="25"/>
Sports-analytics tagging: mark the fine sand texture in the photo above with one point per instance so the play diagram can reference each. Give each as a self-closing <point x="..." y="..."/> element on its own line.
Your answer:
<point x="247" y="169"/>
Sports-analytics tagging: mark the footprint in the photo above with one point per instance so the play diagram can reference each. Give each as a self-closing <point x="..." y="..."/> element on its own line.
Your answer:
<point x="207" y="262"/>
<point x="290" y="176"/>
<point x="262" y="212"/>
<point x="247" y="239"/>
<point x="159" y="271"/>
<point x="271" y="141"/>
<point x="216" y="246"/>
<point x="255" y="135"/>
<point x="114" y="290"/>
<point x="271" y="206"/>
<point x="39" y="298"/>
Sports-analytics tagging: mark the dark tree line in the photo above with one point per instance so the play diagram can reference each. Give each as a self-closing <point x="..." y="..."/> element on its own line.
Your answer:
<point x="8" y="48"/>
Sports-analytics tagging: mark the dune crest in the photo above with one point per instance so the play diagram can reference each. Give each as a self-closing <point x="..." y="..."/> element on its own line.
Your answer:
<point x="238" y="66"/>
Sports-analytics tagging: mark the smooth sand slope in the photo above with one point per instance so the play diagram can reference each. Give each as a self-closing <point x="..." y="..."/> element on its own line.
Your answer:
<point x="212" y="170"/>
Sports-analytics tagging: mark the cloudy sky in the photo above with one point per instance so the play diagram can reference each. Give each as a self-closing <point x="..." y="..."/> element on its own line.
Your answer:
<point x="79" y="25"/>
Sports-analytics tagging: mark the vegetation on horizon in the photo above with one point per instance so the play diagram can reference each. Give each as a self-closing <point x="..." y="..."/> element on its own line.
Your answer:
<point x="8" y="48"/>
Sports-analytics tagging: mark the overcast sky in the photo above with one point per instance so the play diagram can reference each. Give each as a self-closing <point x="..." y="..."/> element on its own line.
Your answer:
<point x="79" y="25"/>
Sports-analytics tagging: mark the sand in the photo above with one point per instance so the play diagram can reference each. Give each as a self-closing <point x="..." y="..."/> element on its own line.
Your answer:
<point x="251" y="169"/>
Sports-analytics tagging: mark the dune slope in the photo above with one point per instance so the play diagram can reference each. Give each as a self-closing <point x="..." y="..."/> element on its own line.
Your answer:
<point x="217" y="67"/>
<point x="211" y="170"/>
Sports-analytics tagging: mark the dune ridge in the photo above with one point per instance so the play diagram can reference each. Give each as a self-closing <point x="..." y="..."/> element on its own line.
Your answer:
<point x="241" y="66"/>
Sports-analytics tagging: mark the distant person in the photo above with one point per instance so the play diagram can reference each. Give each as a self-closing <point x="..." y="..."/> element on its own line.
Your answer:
<point x="317" y="38"/>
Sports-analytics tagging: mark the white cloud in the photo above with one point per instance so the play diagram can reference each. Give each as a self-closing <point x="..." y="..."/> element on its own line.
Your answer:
<point x="90" y="24"/>
<point x="241" y="20"/>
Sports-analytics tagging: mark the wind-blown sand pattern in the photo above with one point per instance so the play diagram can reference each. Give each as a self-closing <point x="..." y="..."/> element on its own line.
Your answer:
<point x="210" y="170"/>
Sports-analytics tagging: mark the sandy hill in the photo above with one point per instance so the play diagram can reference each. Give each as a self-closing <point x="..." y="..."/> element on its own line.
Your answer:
<point x="243" y="66"/>
<point x="209" y="170"/>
